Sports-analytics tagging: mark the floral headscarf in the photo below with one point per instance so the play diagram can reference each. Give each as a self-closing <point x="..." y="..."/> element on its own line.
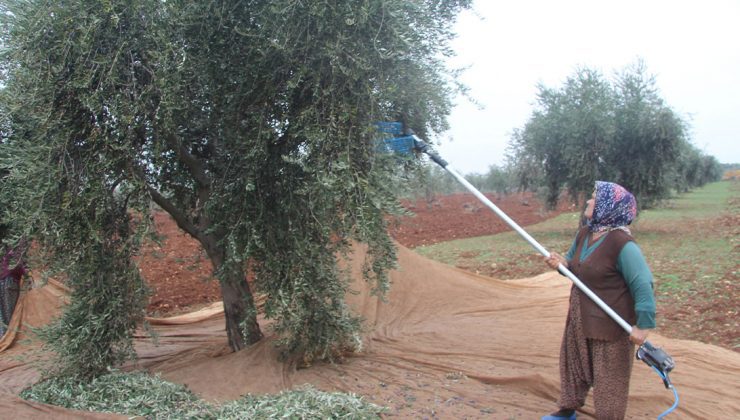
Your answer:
<point x="614" y="208"/>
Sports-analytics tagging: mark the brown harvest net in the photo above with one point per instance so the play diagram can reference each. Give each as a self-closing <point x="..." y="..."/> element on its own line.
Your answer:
<point x="444" y="343"/>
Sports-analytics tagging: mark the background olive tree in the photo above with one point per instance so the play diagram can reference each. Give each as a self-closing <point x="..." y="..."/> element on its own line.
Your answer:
<point x="649" y="137"/>
<point x="620" y="130"/>
<point x="250" y="122"/>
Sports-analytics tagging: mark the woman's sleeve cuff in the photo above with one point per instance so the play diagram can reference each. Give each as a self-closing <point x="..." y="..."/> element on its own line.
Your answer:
<point x="645" y="319"/>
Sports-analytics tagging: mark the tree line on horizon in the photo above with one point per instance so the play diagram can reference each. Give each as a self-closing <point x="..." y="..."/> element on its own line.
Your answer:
<point x="594" y="128"/>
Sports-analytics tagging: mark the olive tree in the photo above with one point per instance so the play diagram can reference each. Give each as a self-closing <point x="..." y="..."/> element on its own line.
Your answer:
<point x="543" y="144"/>
<point x="250" y="122"/>
<point x="649" y="137"/>
<point x="592" y="128"/>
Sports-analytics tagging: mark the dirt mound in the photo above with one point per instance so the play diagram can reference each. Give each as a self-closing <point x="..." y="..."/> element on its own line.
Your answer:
<point x="445" y="343"/>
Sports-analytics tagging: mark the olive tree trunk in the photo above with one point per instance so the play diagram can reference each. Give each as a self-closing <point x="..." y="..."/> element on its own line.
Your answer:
<point x="240" y="311"/>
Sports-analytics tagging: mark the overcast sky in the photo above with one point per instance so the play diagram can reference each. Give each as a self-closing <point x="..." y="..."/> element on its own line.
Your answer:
<point x="690" y="46"/>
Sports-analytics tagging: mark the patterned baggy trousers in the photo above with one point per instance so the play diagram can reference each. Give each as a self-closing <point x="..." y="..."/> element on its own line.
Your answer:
<point x="584" y="363"/>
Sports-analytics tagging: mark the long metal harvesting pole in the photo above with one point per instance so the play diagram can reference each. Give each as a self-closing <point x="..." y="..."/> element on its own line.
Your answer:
<point x="424" y="148"/>
<point x="654" y="357"/>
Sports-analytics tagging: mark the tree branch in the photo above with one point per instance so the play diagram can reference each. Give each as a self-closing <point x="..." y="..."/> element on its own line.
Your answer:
<point x="190" y="161"/>
<point x="180" y="217"/>
<point x="203" y="183"/>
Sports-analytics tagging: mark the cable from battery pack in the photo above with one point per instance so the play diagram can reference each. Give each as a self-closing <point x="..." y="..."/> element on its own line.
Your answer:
<point x="675" y="394"/>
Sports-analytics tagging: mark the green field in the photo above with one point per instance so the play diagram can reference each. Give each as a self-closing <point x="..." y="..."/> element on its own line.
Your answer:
<point x="690" y="242"/>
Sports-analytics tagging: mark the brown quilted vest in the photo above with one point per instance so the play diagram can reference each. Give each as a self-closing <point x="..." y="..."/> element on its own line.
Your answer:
<point x="599" y="272"/>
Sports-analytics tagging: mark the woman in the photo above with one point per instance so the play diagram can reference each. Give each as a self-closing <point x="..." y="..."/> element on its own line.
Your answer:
<point x="596" y="352"/>
<point x="10" y="285"/>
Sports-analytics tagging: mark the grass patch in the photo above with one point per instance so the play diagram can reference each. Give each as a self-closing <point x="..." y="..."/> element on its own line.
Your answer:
<point x="690" y="242"/>
<point x="704" y="203"/>
<point x="141" y="394"/>
<point x="505" y="255"/>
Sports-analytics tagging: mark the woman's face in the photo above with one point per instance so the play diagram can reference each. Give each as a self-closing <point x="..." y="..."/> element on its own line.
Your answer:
<point x="589" y="212"/>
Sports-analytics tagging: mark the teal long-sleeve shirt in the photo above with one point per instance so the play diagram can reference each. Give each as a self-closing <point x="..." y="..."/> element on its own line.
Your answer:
<point x="633" y="267"/>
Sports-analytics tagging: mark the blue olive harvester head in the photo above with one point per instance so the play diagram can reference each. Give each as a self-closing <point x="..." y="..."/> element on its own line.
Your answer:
<point x="404" y="142"/>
